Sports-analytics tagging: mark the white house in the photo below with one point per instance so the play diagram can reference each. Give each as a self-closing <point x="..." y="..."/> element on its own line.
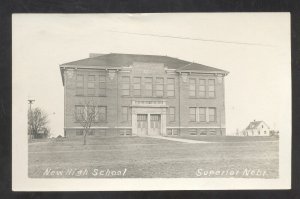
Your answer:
<point x="257" y="128"/>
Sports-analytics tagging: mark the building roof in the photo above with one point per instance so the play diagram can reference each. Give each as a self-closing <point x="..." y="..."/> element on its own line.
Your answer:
<point x="254" y="125"/>
<point x="120" y="60"/>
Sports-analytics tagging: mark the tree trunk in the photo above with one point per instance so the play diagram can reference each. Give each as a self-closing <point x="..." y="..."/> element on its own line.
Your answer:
<point x="84" y="138"/>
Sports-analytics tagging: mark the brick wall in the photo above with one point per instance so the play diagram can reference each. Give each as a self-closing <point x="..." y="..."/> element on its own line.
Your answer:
<point x="114" y="100"/>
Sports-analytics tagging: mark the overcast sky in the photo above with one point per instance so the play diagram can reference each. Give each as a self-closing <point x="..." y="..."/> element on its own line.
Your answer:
<point x="257" y="87"/>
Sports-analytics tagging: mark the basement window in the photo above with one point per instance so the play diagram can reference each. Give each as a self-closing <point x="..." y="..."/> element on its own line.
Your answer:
<point x="203" y="133"/>
<point x="193" y="131"/>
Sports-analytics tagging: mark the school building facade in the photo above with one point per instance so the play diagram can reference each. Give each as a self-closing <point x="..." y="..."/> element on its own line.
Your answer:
<point x="140" y="95"/>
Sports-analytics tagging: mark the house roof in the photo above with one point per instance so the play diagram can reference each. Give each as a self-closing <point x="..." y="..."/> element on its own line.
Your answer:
<point x="253" y="125"/>
<point x="119" y="60"/>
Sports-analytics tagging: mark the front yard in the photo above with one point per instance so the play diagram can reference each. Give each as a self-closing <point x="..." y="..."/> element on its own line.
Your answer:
<point x="144" y="157"/>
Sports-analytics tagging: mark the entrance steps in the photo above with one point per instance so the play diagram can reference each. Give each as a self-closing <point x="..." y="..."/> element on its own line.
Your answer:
<point x="178" y="139"/>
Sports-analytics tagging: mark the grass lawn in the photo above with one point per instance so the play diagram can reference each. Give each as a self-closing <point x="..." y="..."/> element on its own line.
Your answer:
<point x="144" y="157"/>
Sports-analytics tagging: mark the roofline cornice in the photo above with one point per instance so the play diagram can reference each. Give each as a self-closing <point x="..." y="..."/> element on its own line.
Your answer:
<point x="203" y="72"/>
<point x="91" y="67"/>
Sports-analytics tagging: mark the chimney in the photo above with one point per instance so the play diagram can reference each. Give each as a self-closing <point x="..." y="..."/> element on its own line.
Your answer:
<point x="95" y="54"/>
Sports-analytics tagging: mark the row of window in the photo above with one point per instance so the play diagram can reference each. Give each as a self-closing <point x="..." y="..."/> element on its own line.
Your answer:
<point x="99" y="114"/>
<point x="91" y="85"/>
<point x="202" y="114"/>
<point x="103" y="132"/>
<point x="202" y="132"/>
<point x="202" y="88"/>
<point x="174" y="132"/>
<point x="90" y="113"/>
<point x="153" y="87"/>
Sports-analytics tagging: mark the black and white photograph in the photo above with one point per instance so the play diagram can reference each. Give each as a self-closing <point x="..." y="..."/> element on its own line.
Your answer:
<point x="164" y="101"/>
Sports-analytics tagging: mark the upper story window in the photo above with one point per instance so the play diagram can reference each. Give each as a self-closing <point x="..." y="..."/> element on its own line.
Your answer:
<point x="211" y="88"/>
<point x="192" y="87"/>
<point x="125" y="86"/>
<point x="192" y="114"/>
<point x="79" y="84"/>
<point x="102" y="85"/>
<point x="170" y="87"/>
<point x="148" y="86"/>
<point x="171" y="114"/>
<point x="91" y="85"/>
<point x="159" y="90"/>
<point x="212" y="114"/>
<point x="202" y="87"/>
<point x="137" y="86"/>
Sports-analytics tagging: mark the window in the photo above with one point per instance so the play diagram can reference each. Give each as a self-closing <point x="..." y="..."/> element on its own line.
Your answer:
<point x="91" y="85"/>
<point x="102" y="85"/>
<point x="202" y="87"/>
<point x="137" y="86"/>
<point x="79" y="85"/>
<point x="79" y="113"/>
<point x="83" y="113"/>
<point x="203" y="133"/>
<point x="172" y="114"/>
<point x="212" y="114"/>
<point x="211" y="88"/>
<point x="193" y="131"/>
<point x="101" y="113"/>
<point x="159" y="90"/>
<point x="212" y="133"/>
<point x="126" y="113"/>
<point x="91" y="113"/>
<point x="148" y="86"/>
<point x="125" y="132"/>
<point x="192" y="114"/>
<point x="192" y="88"/>
<point x="170" y="87"/>
<point x="125" y="86"/>
<point x="202" y="114"/>
<point x="172" y="132"/>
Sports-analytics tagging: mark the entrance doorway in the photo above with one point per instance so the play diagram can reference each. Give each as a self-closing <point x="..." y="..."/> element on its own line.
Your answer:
<point x="149" y="124"/>
<point x="142" y="124"/>
<point x="155" y="124"/>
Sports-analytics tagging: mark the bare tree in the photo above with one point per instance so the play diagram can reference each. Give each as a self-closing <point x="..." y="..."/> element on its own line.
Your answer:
<point x="37" y="123"/>
<point x="87" y="115"/>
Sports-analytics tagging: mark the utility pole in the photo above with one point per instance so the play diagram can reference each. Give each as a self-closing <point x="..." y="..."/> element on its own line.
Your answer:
<point x="30" y="116"/>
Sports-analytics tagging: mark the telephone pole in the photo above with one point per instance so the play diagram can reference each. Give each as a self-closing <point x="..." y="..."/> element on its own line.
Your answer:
<point x="30" y="101"/>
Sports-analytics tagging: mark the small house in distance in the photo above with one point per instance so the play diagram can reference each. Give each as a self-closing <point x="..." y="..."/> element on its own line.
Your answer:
<point x="257" y="128"/>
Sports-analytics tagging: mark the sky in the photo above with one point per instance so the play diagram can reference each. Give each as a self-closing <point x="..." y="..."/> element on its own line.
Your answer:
<point x="258" y="86"/>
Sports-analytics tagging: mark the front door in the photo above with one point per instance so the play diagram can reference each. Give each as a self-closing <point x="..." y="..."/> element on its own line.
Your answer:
<point x="142" y="124"/>
<point x="155" y="124"/>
